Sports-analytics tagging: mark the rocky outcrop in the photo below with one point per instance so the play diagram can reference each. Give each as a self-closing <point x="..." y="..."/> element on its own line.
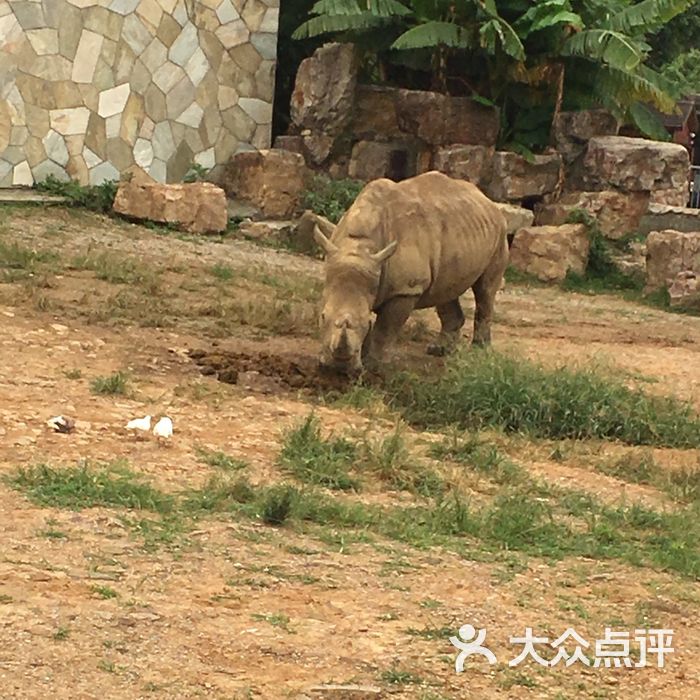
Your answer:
<point x="463" y="162"/>
<point x="618" y="213"/>
<point x="684" y="291"/>
<point x="573" y="131"/>
<point x="197" y="207"/>
<point x="516" y="217"/>
<point x="660" y="217"/>
<point x="550" y="252"/>
<point x="371" y="160"/>
<point x="514" y="178"/>
<point x="668" y="254"/>
<point x="635" y="165"/>
<point x="271" y="180"/>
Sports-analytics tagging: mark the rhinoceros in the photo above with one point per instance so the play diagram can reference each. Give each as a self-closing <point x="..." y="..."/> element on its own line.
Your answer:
<point x="402" y="246"/>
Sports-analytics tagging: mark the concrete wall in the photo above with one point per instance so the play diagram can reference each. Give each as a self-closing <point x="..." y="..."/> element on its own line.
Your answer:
<point x="91" y="89"/>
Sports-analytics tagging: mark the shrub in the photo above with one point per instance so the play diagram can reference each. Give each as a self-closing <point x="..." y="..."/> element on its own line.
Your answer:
<point x="331" y="198"/>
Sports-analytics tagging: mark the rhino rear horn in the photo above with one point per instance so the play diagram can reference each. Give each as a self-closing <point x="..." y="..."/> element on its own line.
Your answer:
<point x="329" y="247"/>
<point x="385" y="253"/>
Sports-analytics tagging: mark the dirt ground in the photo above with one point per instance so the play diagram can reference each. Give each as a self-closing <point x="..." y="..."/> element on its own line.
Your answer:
<point x="240" y="609"/>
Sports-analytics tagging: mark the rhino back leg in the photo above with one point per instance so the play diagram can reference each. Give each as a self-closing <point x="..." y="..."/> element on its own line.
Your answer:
<point x="485" y="290"/>
<point x="452" y="321"/>
<point x="390" y="318"/>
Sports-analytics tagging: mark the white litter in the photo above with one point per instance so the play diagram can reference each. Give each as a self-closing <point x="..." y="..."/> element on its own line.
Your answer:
<point x="163" y="428"/>
<point x="61" y="424"/>
<point x="141" y="424"/>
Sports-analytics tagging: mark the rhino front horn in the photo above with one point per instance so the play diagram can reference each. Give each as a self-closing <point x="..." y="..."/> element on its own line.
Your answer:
<point x="329" y="247"/>
<point x="385" y="253"/>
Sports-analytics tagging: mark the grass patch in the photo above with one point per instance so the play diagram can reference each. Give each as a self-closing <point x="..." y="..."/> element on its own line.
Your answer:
<point x="86" y="487"/>
<point x="486" y="389"/>
<point x="113" y="385"/>
<point x="223" y="273"/>
<point x="396" y="676"/>
<point x="116" y="269"/>
<point x="99" y="198"/>
<point x="220" y="460"/>
<point x="105" y="592"/>
<point x="311" y="459"/>
<point x="331" y="198"/>
<point x="20" y="261"/>
<point x="61" y="634"/>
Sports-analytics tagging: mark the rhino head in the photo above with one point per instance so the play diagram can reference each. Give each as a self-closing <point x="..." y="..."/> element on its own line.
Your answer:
<point x="352" y="282"/>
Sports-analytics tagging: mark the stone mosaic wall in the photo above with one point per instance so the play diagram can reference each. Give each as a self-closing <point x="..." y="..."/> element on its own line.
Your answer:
<point x="91" y="89"/>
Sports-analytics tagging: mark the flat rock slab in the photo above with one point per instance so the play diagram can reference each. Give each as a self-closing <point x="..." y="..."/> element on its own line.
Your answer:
<point x="20" y="195"/>
<point x="661" y="217"/>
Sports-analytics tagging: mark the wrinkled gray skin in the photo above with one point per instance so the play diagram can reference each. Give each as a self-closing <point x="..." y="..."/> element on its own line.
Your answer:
<point x="402" y="246"/>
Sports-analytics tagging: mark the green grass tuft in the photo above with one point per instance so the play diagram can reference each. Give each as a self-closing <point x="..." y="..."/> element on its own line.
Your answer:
<point x="484" y="388"/>
<point x="98" y="198"/>
<point x="331" y="198"/>
<point x="113" y="385"/>
<point x="220" y="460"/>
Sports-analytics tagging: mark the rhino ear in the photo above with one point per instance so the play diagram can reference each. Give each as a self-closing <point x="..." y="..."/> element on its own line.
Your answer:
<point x="329" y="247"/>
<point x="385" y="253"/>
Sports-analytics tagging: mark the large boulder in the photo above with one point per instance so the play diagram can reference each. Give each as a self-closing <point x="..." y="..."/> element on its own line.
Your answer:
<point x="371" y="160"/>
<point x="660" y="217"/>
<point x="471" y="163"/>
<point x="635" y="165"/>
<point x="516" y="217"/>
<point x="440" y="119"/>
<point x="685" y="290"/>
<point x="271" y="180"/>
<point x="678" y="197"/>
<point x="670" y="253"/>
<point x="573" y="130"/>
<point x="375" y="115"/>
<point x="618" y="213"/>
<point x="197" y="207"/>
<point x="324" y="90"/>
<point x="550" y="252"/>
<point x="514" y="178"/>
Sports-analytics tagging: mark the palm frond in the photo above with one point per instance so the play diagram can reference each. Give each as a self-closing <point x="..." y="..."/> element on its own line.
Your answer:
<point x="326" y="24"/>
<point x="648" y="122"/>
<point x="431" y="34"/>
<point x="498" y="32"/>
<point x="547" y="14"/>
<point x="613" y="48"/>
<point x="644" y="14"/>
<point x="624" y="88"/>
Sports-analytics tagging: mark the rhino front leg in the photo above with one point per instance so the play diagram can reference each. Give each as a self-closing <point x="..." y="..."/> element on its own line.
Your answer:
<point x="452" y="320"/>
<point x="390" y="318"/>
<point x="485" y="290"/>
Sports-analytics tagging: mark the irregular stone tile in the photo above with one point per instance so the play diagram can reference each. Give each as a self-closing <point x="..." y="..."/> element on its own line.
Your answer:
<point x="69" y="121"/>
<point x="239" y="123"/>
<point x="143" y="153"/>
<point x="96" y="135"/>
<point x="135" y="34"/>
<point x="206" y="159"/>
<point x="52" y="68"/>
<point x="86" y="57"/>
<point x="75" y="144"/>
<point x="119" y="153"/>
<point x="48" y="167"/>
<point x="112" y="101"/>
<point x="252" y="15"/>
<point x="151" y="12"/>
<point x="262" y="137"/>
<point x="102" y="173"/>
<point x="132" y="116"/>
<point x="13" y="154"/>
<point x="197" y="67"/>
<point x="43" y="41"/>
<point x="163" y="142"/>
<point x="104" y="76"/>
<point x="207" y="20"/>
<point x="155" y="55"/>
<point x="69" y="31"/>
<point x="258" y="110"/>
<point x="168" y="29"/>
<point x="34" y="151"/>
<point x="55" y="147"/>
<point x="211" y="124"/>
<point x="194" y="140"/>
<point x="140" y="77"/>
<point x="90" y="95"/>
<point x="84" y="3"/>
<point x="179" y="98"/>
<point x="91" y="160"/>
<point x="266" y="44"/>
<point x="226" y="97"/>
<point x="155" y="103"/>
<point x="226" y="12"/>
<point x="112" y="126"/>
<point x="233" y="34"/>
<point x="34" y="92"/>
<point x="77" y="170"/>
<point x="146" y="130"/>
<point x="30" y="15"/>
<point x="168" y="76"/>
<point x="270" y="22"/>
<point x="180" y="162"/>
<point x="158" y="170"/>
<point x="184" y="46"/>
<point x="123" y="7"/>
<point x="5" y="171"/>
<point x="225" y="146"/>
<point x="10" y="28"/>
<point x="192" y="116"/>
<point x="178" y="132"/>
<point x="180" y="14"/>
<point x="265" y="81"/>
<point x="22" y="175"/>
<point x="124" y="63"/>
<point x="212" y="48"/>
<point x="18" y="135"/>
<point x="207" y="90"/>
<point x="247" y="58"/>
<point x="102" y="21"/>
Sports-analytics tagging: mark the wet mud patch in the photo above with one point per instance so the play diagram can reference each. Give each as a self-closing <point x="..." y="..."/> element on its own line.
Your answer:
<point x="269" y="372"/>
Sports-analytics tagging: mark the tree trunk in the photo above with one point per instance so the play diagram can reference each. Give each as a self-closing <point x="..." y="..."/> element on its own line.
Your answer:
<point x="558" y="102"/>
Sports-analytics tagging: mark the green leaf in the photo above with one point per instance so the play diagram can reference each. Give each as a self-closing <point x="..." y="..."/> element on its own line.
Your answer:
<point x="563" y="17"/>
<point x="341" y="23"/>
<point x="497" y="32"/>
<point x="431" y="34"/>
<point x="617" y="50"/>
<point x="647" y="13"/>
<point x="647" y="122"/>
